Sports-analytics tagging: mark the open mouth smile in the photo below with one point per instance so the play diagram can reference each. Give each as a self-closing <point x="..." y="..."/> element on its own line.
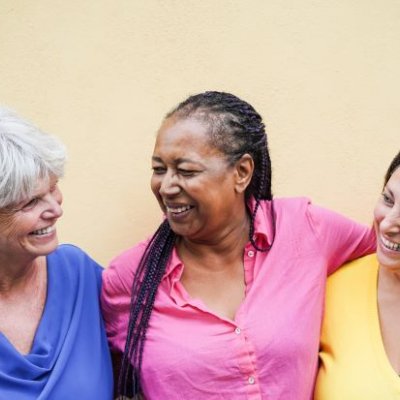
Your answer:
<point x="178" y="210"/>
<point x="43" y="231"/>
<point x="390" y="245"/>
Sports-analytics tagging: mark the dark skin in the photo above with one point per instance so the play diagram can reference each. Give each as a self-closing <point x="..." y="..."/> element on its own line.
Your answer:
<point x="191" y="173"/>
<point x="202" y="195"/>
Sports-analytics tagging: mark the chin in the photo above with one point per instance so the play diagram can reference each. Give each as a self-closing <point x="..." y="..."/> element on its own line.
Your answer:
<point x="391" y="263"/>
<point x="44" y="250"/>
<point x="52" y="247"/>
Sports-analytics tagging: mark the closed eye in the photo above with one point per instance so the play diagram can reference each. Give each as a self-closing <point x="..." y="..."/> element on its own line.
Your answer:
<point x="187" y="172"/>
<point x="159" y="170"/>
<point x="30" y="204"/>
<point x="387" y="199"/>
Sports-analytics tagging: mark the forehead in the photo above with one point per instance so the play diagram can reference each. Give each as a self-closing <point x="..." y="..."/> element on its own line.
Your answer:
<point x="394" y="181"/>
<point x="189" y="136"/>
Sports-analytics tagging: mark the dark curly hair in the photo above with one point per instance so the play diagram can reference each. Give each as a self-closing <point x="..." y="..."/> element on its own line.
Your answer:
<point x="235" y="128"/>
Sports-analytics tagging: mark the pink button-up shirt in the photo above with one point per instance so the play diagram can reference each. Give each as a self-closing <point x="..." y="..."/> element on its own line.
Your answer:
<point x="270" y="350"/>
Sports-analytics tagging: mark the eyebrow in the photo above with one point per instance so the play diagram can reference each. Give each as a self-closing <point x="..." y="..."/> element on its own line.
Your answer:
<point x="177" y="161"/>
<point x="390" y="192"/>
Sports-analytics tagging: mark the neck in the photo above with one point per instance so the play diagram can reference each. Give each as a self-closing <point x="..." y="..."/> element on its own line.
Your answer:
<point x="14" y="276"/>
<point x="389" y="280"/>
<point x="228" y="245"/>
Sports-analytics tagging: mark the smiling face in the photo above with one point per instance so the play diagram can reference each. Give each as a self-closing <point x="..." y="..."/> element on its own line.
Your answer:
<point x="28" y="230"/>
<point x="387" y="223"/>
<point x="200" y="193"/>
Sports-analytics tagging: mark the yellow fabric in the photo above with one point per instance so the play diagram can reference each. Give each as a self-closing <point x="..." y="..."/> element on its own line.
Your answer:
<point x="354" y="365"/>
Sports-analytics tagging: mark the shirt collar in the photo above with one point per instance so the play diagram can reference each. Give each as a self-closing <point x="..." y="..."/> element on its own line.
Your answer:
<point x="263" y="224"/>
<point x="175" y="265"/>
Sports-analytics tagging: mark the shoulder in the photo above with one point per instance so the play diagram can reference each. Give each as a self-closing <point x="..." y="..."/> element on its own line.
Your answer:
<point x="319" y="219"/>
<point x="74" y="260"/>
<point x="127" y="261"/>
<point x="74" y="255"/>
<point x="291" y="204"/>
<point x="287" y="208"/>
<point x="300" y="206"/>
<point x="285" y="215"/>
<point x="129" y="257"/>
<point x="354" y="271"/>
<point x="347" y="292"/>
<point x="283" y="205"/>
<point x="119" y="274"/>
<point x="117" y="286"/>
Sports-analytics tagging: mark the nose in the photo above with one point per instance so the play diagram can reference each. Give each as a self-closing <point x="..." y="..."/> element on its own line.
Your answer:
<point x="169" y="185"/>
<point x="391" y="223"/>
<point x="53" y="205"/>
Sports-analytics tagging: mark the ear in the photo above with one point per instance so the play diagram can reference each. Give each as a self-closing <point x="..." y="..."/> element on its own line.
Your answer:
<point x="244" y="169"/>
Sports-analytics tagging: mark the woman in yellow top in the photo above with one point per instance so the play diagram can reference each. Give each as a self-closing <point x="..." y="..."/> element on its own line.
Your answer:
<point x="360" y="345"/>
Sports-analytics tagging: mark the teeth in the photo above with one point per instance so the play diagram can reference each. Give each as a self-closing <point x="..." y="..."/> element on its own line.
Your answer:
<point x="43" y="231"/>
<point x="177" y="210"/>
<point x="390" y="245"/>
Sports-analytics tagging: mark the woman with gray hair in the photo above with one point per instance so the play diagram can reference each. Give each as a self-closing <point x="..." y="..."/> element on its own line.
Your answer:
<point x="52" y="340"/>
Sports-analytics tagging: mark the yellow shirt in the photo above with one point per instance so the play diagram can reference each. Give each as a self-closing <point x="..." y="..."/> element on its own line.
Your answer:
<point x="354" y="365"/>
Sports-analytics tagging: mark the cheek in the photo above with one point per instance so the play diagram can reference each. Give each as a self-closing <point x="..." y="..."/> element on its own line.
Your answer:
<point x="155" y="184"/>
<point x="5" y="220"/>
<point x="379" y="217"/>
<point x="9" y="228"/>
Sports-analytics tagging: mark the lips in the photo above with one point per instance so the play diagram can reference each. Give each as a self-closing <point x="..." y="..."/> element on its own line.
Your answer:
<point x="43" y="231"/>
<point x="390" y="245"/>
<point x="178" y="209"/>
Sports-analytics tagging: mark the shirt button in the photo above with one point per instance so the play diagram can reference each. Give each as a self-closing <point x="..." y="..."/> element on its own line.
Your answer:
<point x="237" y="331"/>
<point x="250" y="253"/>
<point x="251" y="380"/>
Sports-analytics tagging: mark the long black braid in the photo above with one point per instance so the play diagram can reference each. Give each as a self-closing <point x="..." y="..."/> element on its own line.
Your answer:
<point x="235" y="129"/>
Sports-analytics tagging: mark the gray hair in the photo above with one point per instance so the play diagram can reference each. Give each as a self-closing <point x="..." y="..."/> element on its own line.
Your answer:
<point x="27" y="155"/>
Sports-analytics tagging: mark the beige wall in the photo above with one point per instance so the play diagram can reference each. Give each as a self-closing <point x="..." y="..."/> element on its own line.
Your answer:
<point x="102" y="73"/>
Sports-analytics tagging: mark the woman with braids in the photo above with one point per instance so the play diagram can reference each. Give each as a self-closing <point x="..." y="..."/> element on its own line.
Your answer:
<point x="225" y="300"/>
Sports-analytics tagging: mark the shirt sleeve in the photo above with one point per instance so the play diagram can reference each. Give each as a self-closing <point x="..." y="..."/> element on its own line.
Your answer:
<point x="340" y="239"/>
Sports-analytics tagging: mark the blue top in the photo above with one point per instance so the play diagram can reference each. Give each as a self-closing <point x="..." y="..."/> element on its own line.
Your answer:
<point x="69" y="358"/>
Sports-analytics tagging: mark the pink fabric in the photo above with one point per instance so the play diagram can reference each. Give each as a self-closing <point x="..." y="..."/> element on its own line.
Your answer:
<point x="270" y="350"/>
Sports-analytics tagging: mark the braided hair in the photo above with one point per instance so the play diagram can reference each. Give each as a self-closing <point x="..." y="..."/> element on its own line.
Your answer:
<point x="235" y="128"/>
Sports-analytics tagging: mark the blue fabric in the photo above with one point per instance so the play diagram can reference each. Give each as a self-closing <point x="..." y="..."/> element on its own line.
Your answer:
<point x="69" y="358"/>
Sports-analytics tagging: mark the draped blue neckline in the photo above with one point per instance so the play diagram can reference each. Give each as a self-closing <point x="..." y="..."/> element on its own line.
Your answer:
<point x="69" y="336"/>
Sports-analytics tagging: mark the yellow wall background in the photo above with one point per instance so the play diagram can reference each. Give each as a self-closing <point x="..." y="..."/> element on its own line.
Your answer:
<point x="101" y="74"/>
